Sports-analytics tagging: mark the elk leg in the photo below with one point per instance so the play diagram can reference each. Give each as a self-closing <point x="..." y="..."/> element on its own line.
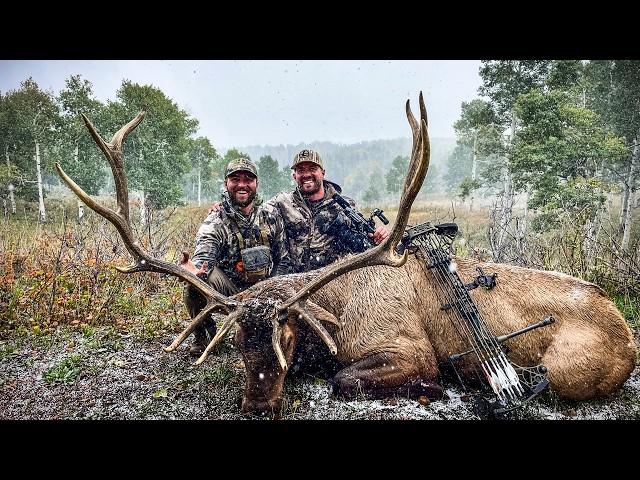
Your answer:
<point x="387" y="374"/>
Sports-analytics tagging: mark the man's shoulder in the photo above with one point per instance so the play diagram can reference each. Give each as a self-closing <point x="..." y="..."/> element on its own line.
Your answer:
<point x="351" y="201"/>
<point x="214" y="221"/>
<point x="269" y="210"/>
<point x="282" y="198"/>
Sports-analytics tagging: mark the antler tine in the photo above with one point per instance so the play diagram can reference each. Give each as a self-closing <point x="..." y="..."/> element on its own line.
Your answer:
<point x="204" y="313"/>
<point x="415" y="128"/>
<point x="385" y="253"/>
<point x="143" y="261"/>
<point x="276" y="335"/>
<point x="300" y="309"/>
<point x="231" y="319"/>
<point x="115" y="156"/>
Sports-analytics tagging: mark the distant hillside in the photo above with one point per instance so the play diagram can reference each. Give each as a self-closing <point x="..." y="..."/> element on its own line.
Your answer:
<point x="347" y="164"/>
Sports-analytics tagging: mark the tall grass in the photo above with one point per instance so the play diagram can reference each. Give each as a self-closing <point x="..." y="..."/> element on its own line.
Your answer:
<point x="63" y="272"/>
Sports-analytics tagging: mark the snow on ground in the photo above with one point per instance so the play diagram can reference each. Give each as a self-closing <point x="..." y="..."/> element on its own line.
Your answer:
<point x="106" y="375"/>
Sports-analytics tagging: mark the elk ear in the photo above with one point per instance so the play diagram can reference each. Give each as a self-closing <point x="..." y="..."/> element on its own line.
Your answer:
<point x="321" y="314"/>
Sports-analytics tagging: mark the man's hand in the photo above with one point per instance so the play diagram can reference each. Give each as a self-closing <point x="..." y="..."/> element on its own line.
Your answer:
<point x="379" y="235"/>
<point x="189" y="266"/>
<point x="214" y="208"/>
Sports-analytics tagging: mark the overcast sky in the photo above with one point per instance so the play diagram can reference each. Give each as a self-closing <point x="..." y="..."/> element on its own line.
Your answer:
<point x="271" y="102"/>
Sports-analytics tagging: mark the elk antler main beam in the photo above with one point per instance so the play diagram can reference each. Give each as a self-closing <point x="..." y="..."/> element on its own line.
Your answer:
<point x="143" y="261"/>
<point x="385" y="253"/>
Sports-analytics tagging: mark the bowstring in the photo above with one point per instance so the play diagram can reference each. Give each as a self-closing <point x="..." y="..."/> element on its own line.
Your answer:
<point x="482" y="341"/>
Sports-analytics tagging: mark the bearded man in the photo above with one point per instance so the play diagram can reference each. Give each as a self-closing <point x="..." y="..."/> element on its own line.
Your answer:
<point x="237" y="245"/>
<point x="309" y="212"/>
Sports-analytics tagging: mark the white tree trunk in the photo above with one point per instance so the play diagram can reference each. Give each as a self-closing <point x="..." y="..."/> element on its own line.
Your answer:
<point x="631" y="179"/>
<point x="592" y="227"/>
<point x="507" y="198"/>
<point x="80" y="204"/>
<point x="12" y="199"/>
<point x="525" y="225"/>
<point x="474" y="167"/>
<point x="143" y="209"/>
<point x="624" y="197"/>
<point x="42" y="213"/>
<point x="199" y="185"/>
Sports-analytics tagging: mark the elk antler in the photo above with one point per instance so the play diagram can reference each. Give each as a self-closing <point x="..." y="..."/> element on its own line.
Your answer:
<point x="143" y="261"/>
<point x="383" y="254"/>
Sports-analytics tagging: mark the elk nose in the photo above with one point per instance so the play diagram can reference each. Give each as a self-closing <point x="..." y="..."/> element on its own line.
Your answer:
<point x="261" y="405"/>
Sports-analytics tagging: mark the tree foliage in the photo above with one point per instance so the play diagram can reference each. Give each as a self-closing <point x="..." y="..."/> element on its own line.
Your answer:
<point x="559" y="154"/>
<point x="205" y="162"/>
<point x="395" y="176"/>
<point x="273" y="179"/>
<point x="158" y="151"/>
<point x="373" y="192"/>
<point x="29" y="116"/>
<point x="76" y="150"/>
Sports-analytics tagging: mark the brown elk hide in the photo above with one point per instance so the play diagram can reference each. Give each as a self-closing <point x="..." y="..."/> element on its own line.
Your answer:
<point x="589" y="351"/>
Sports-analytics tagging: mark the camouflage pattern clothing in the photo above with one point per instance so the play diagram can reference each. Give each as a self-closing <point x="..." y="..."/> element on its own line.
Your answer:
<point x="218" y="244"/>
<point x="307" y="224"/>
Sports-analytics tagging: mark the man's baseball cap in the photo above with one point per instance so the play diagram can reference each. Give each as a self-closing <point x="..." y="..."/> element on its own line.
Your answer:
<point x="241" y="165"/>
<point x="307" y="156"/>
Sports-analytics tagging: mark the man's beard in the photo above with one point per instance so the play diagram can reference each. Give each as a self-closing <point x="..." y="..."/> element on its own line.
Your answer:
<point x="316" y="187"/>
<point x="251" y="195"/>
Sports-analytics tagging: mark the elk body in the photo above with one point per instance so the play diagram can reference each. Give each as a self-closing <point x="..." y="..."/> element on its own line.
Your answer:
<point x="386" y="329"/>
<point x="392" y="334"/>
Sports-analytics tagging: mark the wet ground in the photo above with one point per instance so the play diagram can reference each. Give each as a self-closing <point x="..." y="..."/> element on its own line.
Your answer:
<point x="103" y="374"/>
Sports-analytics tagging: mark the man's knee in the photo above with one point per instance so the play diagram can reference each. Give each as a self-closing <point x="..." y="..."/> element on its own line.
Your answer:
<point x="193" y="300"/>
<point x="221" y="283"/>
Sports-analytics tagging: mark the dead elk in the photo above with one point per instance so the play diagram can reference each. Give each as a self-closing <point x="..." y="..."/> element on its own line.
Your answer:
<point x="391" y="333"/>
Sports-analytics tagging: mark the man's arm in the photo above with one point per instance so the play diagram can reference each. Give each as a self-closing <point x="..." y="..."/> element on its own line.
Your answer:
<point x="380" y="233"/>
<point x="209" y="243"/>
<point x="279" y="247"/>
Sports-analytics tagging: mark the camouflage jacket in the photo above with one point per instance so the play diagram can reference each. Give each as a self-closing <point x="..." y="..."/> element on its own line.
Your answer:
<point x="217" y="243"/>
<point x="310" y="246"/>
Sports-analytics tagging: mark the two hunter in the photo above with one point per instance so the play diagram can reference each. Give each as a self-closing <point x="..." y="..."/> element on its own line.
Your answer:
<point x="241" y="243"/>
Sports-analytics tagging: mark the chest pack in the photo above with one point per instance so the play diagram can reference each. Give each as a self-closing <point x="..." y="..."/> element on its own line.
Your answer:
<point x="255" y="253"/>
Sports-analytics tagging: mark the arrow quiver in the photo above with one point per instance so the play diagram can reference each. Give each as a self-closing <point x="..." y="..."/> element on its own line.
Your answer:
<point x="505" y="385"/>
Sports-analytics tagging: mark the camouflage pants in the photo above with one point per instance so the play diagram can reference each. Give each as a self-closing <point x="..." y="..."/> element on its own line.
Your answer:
<point x="195" y="302"/>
